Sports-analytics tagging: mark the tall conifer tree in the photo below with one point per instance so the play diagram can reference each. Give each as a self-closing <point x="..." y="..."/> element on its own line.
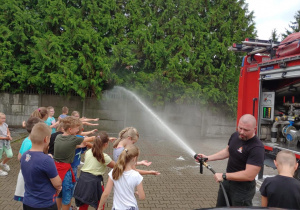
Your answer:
<point x="168" y="50"/>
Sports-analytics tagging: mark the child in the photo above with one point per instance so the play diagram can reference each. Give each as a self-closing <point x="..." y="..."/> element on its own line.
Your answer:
<point x="64" y="114"/>
<point x="40" y="175"/>
<point x="84" y="120"/>
<point x="89" y="187"/>
<point x="5" y="139"/>
<point x="26" y="145"/>
<point x="40" y="112"/>
<point x="124" y="179"/>
<point x="51" y="120"/>
<point x="127" y="137"/>
<point x="80" y="150"/>
<point x="282" y="191"/>
<point x="59" y="130"/>
<point x="64" y="152"/>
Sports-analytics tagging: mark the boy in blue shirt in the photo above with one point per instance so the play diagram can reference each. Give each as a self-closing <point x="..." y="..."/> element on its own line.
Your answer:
<point x="42" y="181"/>
<point x="26" y="145"/>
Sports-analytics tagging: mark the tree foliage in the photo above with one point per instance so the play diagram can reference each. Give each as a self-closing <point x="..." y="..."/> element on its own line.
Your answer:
<point x="167" y="50"/>
<point x="274" y="35"/>
<point x="294" y="26"/>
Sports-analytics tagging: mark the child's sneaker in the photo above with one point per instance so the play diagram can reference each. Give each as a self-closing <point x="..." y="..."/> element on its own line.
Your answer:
<point x="5" y="166"/>
<point x="3" y="173"/>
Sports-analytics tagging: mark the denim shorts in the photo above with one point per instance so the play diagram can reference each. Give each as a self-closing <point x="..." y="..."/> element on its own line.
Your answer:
<point x="67" y="189"/>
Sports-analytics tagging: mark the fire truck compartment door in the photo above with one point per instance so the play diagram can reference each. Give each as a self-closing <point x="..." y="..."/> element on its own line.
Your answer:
<point x="289" y="72"/>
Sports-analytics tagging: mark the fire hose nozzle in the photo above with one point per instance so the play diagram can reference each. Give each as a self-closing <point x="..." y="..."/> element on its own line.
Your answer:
<point x="202" y="162"/>
<point x="196" y="156"/>
<point x="200" y="159"/>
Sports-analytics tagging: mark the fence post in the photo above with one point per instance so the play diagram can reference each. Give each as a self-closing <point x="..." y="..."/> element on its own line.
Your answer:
<point x="83" y="108"/>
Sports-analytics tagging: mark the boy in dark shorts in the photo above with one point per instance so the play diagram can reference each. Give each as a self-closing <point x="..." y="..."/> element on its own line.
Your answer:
<point x="40" y="175"/>
<point x="282" y="191"/>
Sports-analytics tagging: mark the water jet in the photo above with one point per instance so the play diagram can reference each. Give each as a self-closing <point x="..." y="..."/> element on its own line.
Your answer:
<point x="160" y="121"/>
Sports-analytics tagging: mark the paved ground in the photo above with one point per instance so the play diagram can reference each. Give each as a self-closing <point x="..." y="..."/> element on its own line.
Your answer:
<point x="180" y="185"/>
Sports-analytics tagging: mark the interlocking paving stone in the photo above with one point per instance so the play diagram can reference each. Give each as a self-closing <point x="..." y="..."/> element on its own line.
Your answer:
<point x="180" y="185"/>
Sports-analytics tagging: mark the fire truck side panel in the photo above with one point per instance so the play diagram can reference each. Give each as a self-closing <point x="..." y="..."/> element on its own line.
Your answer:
<point x="249" y="87"/>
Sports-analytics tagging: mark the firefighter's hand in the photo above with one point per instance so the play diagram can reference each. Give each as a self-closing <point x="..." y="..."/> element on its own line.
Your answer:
<point x="218" y="177"/>
<point x="201" y="156"/>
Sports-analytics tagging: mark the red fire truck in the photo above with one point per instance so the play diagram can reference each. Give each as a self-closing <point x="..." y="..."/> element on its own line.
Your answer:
<point x="269" y="88"/>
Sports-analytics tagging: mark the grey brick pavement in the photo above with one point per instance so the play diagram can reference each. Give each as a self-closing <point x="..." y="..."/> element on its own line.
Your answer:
<point x="180" y="185"/>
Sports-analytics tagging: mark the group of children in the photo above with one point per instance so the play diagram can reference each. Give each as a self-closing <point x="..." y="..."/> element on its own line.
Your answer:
<point x="50" y="156"/>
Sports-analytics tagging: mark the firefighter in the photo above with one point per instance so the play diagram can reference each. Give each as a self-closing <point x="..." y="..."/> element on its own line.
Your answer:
<point x="245" y="153"/>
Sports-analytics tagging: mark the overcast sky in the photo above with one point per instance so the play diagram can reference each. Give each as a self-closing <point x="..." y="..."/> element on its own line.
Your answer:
<point x="270" y="14"/>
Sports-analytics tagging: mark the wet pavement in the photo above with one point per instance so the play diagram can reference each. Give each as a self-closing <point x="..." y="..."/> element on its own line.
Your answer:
<point x="180" y="185"/>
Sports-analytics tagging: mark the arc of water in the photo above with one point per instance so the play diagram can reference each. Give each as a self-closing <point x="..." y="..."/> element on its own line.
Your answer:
<point x="169" y="130"/>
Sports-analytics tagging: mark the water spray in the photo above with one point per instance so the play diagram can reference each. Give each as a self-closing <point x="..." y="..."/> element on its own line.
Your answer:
<point x="202" y="162"/>
<point x="162" y="123"/>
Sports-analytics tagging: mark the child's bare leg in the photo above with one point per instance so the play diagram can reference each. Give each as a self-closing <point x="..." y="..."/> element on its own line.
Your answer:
<point x="5" y="160"/>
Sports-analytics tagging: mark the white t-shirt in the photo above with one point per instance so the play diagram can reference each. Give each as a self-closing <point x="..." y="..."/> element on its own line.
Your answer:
<point x="124" y="189"/>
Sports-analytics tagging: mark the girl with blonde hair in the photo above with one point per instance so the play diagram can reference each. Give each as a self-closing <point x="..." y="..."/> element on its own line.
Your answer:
<point x="84" y="120"/>
<point x="129" y="136"/>
<point x="5" y="139"/>
<point x="125" y="179"/>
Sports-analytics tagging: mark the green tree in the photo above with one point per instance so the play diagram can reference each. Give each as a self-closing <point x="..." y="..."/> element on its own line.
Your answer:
<point x="178" y="52"/>
<point x="274" y="36"/>
<point x="56" y="43"/>
<point x="167" y="50"/>
<point x="294" y="26"/>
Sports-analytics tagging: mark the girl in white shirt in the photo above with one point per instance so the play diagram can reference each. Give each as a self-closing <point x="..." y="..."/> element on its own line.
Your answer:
<point x="125" y="180"/>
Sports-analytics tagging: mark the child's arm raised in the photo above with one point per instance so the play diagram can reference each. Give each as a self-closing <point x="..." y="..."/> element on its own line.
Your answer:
<point x="89" y="145"/>
<point x="88" y="132"/>
<point x="85" y="140"/>
<point x="144" y="162"/>
<point x="91" y="124"/>
<point x="89" y="139"/>
<point x="106" y="193"/>
<point x="144" y="172"/>
<point x="84" y="119"/>
<point x="140" y="191"/>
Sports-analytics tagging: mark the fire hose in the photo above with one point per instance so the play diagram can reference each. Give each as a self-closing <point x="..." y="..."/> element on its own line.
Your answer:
<point x="202" y="162"/>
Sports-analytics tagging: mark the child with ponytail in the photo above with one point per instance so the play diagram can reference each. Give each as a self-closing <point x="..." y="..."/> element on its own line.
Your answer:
<point x="41" y="113"/>
<point x="129" y="136"/>
<point x="89" y="186"/>
<point x="125" y="179"/>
